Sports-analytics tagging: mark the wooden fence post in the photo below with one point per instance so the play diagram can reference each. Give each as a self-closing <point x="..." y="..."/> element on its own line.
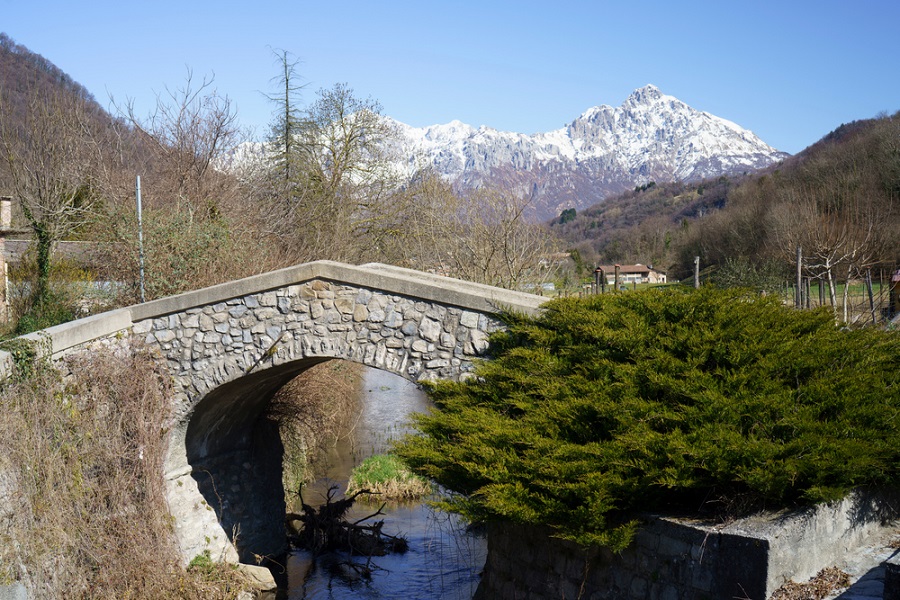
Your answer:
<point x="871" y="296"/>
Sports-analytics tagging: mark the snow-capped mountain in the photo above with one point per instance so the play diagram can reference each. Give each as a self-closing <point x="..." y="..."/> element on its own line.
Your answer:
<point x="605" y="151"/>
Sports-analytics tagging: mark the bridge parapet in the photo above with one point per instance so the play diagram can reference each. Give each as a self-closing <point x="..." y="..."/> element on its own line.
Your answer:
<point x="417" y="339"/>
<point x="66" y="337"/>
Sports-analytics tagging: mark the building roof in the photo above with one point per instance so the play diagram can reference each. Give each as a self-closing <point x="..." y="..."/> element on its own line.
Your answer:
<point x="636" y="268"/>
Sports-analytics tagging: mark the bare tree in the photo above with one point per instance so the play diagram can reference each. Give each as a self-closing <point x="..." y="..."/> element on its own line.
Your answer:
<point x="193" y="206"/>
<point x="49" y="171"/>
<point x="481" y="237"/>
<point x="190" y="132"/>
<point x="337" y="201"/>
<point x="838" y="231"/>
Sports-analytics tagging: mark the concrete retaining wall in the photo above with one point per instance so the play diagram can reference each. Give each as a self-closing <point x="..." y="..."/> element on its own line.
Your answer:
<point x="678" y="559"/>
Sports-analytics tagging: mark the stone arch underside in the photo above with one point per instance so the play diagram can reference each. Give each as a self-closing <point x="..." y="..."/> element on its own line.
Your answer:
<point x="228" y="359"/>
<point x="235" y="456"/>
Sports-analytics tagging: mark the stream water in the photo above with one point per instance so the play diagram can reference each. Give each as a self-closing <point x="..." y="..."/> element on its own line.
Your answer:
<point x="443" y="560"/>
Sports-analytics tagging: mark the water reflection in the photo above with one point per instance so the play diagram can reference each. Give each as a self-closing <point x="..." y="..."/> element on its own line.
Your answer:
<point x="443" y="560"/>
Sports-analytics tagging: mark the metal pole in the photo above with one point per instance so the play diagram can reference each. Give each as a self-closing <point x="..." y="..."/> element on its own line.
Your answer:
<point x="140" y="234"/>
<point x="798" y="298"/>
<point x="696" y="271"/>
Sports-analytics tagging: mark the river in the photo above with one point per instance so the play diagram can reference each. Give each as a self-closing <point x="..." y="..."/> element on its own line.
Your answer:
<point x="443" y="560"/>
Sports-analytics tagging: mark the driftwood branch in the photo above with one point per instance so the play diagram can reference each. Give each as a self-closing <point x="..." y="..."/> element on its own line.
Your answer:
<point x="327" y="529"/>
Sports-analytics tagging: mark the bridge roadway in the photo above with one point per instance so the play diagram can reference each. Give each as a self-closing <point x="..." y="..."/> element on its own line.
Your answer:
<point x="230" y="347"/>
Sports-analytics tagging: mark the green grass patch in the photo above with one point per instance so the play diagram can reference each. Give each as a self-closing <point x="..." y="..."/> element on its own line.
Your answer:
<point x="389" y="477"/>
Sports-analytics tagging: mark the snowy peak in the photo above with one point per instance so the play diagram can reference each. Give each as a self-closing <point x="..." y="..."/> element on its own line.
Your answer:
<point x="605" y="151"/>
<point x="646" y="95"/>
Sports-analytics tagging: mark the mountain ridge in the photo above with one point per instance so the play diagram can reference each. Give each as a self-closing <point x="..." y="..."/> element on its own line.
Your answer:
<point x="605" y="151"/>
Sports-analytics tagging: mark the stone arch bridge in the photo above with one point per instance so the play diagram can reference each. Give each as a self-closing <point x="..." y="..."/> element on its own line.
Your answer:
<point x="230" y="347"/>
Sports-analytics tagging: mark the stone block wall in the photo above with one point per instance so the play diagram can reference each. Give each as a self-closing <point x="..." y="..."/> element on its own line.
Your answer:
<point x="206" y="346"/>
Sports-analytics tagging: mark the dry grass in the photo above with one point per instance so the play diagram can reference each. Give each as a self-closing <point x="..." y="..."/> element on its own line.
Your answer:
<point x="826" y="582"/>
<point x="82" y="507"/>
<point x="389" y="478"/>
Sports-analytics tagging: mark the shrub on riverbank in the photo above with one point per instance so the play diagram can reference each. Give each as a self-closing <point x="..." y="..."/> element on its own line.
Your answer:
<point x="389" y="478"/>
<point x="663" y="400"/>
<point x="82" y="507"/>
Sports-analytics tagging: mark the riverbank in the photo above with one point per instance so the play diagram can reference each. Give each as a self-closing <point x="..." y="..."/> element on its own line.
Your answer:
<point x="82" y="510"/>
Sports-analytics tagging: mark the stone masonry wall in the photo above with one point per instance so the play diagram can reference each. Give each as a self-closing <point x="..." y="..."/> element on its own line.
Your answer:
<point x="417" y="340"/>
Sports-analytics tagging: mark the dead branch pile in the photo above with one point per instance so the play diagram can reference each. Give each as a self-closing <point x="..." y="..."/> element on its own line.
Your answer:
<point x="326" y="529"/>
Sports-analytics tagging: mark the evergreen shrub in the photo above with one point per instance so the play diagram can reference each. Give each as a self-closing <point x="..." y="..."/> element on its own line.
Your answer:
<point x="664" y="400"/>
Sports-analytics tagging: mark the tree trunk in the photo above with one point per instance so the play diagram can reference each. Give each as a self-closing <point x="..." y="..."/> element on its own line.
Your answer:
<point x="831" y="293"/>
<point x="44" y="246"/>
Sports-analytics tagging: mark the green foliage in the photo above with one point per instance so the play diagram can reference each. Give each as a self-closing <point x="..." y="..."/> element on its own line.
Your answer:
<point x="40" y="301"/>
<point x="184" y="248"/>
<point x="50" y="311"/>
<point x="203" y="564"/>
<point x="663" y="400"/>
<point x="379" y="469"/>
<point x="567" y="215"/>
<point x="388" y="475"/>
<point x="179" y="248"/>
<point x="25" y="356"/>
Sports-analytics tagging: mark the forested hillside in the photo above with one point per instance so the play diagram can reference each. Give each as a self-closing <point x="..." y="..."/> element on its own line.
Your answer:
<point x="25" y="74"/>
<point x="323" y="188"/>
<point x="839" y="200"/>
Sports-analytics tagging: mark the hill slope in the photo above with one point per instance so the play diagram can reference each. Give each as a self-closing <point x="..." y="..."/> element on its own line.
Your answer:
<point x="840" y="195"/>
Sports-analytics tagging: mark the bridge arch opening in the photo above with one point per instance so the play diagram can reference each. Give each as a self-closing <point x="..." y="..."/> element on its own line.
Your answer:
<point x="236" y="457"/>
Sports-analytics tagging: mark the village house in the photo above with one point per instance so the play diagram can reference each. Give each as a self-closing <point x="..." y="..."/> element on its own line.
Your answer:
<point x="630" y="274"/>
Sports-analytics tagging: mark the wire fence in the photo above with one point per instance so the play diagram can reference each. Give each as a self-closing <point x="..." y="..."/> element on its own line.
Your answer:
<point x="871" y="298"/>
<point x="874" y="297"/>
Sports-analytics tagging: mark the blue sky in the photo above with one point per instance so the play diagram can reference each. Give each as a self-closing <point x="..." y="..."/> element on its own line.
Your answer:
<point x="789" y="70"/>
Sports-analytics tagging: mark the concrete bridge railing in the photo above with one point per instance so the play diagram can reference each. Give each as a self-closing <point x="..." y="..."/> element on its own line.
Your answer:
<point x="63" y="338"/>
<point x="230" y="347"/>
